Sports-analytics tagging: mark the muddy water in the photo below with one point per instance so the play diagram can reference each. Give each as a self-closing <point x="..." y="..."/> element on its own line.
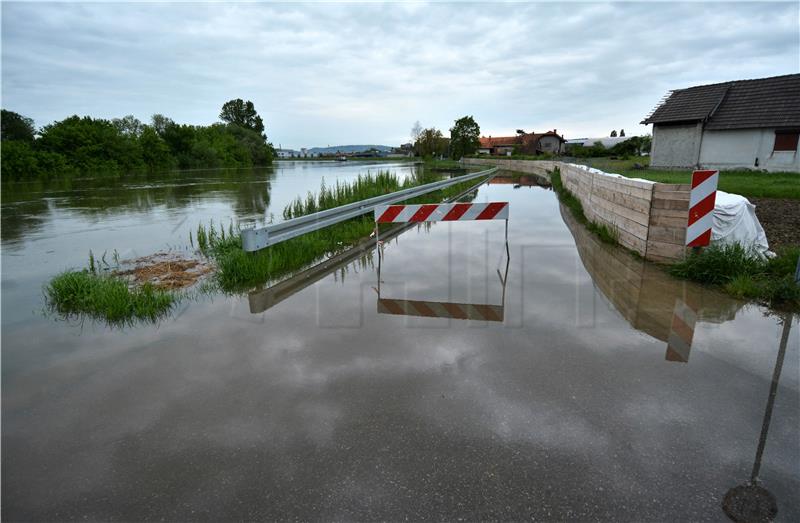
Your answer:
<point x="348" y="395"/>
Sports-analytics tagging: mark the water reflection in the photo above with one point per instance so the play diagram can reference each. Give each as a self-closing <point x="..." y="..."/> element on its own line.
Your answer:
<point x="751" y="501"/>
<point x="524" y="180"/>
<point x="647" y="297"/>
<point x="450" y="310"/>
<point x="28" y="205"/>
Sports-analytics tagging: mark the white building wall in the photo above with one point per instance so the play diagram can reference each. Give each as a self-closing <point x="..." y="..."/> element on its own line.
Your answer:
<point x="738" y="149"/>
<point x="550" y="144"/>
<point x="675" y="145"/>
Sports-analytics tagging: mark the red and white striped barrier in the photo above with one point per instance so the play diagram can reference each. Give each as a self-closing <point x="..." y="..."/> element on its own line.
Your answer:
<point x="441" y="212"/>
<point x="681" y="332"/>
<point x="436" y="309"/>
<point x="701" y="208"/>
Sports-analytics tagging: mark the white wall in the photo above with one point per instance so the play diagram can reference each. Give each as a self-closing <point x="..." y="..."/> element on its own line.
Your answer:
<point x="739" y="149"/>
<point x="675" y="145"/>
<point x="549" y="144"/>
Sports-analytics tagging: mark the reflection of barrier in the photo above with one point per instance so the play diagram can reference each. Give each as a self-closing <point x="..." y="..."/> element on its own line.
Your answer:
<point x="646" y="296"/>
<point x="681" y="332"/>
<point x="434" y="309"/>
<point x="440" y="309"/>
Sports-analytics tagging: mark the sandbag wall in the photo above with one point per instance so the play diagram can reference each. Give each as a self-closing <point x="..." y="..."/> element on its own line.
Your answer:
<point x="650" y="218"/>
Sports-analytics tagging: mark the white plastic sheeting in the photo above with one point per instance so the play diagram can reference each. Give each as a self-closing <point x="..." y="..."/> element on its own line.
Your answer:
<point x="735" y="221"/>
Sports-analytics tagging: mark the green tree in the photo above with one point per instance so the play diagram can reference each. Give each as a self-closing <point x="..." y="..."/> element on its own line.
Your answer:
<point x="128" y="126"/>
<point x="160" y="123"/>
<point x="91" y="145"/>
<point x="464" y="137"/>
<point x="260" y="152"/>
<point x="20" y="161"/>
<point x="243" y="114"/>
<point x="14" y="126"/>
<point x="155" y="151"/>
<point x="431" y="142"/>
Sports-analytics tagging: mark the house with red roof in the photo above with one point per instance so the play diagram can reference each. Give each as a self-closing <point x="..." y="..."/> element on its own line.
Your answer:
<point x="523" y="143"/>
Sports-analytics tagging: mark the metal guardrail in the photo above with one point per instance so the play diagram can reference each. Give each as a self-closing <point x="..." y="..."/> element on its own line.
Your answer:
<point x="259" y="238"/>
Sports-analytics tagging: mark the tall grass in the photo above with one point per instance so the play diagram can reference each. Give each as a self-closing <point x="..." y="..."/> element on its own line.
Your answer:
<point x="238" y="270"/>
<point x="744" y="274"/>
<point x="363" y="187"/>
<point x="105" y="297"/>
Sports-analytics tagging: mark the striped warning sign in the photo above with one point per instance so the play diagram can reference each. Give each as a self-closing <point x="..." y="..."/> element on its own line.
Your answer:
<point x="441" y="212"/>
<point x="701" y="208"/>
<point x="436" y="309"/>
<point x="681" y="332"/>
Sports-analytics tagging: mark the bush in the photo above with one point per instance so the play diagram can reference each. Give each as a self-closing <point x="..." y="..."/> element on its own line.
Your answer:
<point x="718" y="264"/>
<point x="744" y="274"/>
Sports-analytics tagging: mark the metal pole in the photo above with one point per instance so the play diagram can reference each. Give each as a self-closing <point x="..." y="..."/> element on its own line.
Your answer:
<point x="378" y="240"/>
<point x="776" y="375"/>
<point x="797" y="272"/>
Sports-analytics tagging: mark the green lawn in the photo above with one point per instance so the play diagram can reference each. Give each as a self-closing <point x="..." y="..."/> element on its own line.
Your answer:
<point x="747" y="183"/>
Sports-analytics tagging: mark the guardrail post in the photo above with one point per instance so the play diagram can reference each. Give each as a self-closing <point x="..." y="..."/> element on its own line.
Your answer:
<point x="254" y="239"/>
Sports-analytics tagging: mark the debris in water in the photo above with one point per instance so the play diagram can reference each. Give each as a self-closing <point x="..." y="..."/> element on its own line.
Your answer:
<point x="165" y="271"/>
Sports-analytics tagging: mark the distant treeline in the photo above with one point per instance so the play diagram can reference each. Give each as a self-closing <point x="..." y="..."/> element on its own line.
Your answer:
<point x="85" y="145"/>
<point x="633" y="146"/>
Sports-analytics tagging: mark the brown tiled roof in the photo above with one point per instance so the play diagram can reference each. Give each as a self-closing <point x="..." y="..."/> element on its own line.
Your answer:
<point x="499" y="140"/>
<point x="742" y="104"/>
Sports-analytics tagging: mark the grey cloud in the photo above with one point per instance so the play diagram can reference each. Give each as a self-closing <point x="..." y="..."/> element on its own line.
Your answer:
<point x="336" y="73"/>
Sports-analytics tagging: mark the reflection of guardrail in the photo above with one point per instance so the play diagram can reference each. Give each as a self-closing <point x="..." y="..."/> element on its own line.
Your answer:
<point x="258" y="238"/>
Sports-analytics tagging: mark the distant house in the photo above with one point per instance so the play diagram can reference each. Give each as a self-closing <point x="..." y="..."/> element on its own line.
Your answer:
<point x="286" y="153"/>
<point x="741" y="124"/>
<point x="525" y="143"/>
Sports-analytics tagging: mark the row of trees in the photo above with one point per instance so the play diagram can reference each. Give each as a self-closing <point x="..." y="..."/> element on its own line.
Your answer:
<point x="464" y="139"/>
<point x="85" y="145"/>
<point x="633" y="146"/>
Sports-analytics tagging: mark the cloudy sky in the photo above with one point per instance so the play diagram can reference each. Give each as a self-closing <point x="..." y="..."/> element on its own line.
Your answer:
<point x="338" y="73"/>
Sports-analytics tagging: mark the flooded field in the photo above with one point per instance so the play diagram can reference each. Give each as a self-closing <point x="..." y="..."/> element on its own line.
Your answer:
<point x="456" y="376"/>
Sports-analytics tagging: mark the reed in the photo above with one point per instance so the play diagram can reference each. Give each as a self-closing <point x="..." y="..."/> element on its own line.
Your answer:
<point x="101" y="296"/>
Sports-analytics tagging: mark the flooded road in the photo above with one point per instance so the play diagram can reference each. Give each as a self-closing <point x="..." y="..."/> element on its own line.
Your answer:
<point x="362" y="395"/>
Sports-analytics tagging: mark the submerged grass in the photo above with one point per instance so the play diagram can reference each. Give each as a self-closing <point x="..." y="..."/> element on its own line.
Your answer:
<point x="106" y="296"/>
<point x="102" y="296"/>
<point x="745" y="274"/>
<point x="238" y="270"/>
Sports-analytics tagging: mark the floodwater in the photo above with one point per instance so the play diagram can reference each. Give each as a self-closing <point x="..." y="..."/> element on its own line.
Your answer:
<point x="569" y="380"/>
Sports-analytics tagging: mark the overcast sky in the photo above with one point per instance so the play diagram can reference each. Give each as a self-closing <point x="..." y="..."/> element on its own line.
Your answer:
<point x="340" y="73"/>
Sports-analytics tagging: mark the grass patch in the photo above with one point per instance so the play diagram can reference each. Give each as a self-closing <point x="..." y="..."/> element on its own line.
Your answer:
<point x="238" y="270"/>
<point x="744" y="274"/>
<point x="444" y="165"/>
<point x="757" y="184"/>
<point x="101" y="296"/>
